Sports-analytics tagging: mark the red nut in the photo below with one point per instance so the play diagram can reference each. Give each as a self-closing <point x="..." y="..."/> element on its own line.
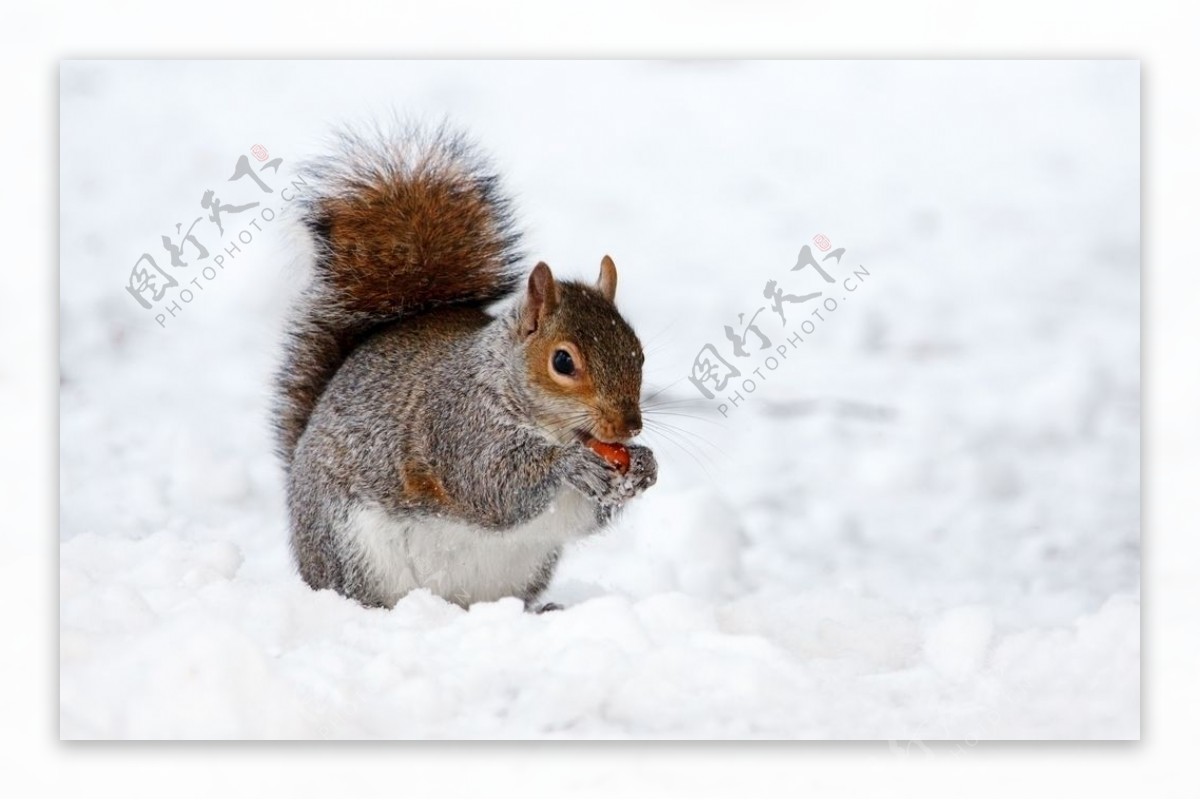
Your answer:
<point x="617" y="455"/>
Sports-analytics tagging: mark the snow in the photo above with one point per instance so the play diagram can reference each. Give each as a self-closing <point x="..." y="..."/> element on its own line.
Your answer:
<point x="922" y="525"/>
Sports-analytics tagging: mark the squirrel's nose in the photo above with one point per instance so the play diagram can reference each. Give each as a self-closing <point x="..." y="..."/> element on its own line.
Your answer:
<point x="633" y="422"/>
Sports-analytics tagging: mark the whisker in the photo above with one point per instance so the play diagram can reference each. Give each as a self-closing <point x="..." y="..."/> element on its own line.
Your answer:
<point x="673" y="441"/>
<point x="650" y="397"/>
<point x="656" y="413"/>
<point x="684" y="432"/>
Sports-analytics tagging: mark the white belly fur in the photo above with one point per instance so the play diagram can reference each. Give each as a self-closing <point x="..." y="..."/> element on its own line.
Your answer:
<point x="461" y="562"/>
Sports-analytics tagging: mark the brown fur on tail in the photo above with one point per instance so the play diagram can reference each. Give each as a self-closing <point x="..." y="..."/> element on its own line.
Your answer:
<point x="402" y="223"/>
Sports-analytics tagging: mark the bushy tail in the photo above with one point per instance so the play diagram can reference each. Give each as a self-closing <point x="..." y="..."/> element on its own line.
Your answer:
<point x="402" y="223"/>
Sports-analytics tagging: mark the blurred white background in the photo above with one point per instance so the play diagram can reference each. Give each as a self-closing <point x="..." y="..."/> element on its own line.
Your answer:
<point x="923" y="526"/>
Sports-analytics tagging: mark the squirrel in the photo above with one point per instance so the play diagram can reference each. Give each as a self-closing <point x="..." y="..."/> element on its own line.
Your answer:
<point x="430" y="441"/>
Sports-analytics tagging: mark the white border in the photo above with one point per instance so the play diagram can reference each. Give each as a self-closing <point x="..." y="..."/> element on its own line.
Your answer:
<point x="34" y="37"/>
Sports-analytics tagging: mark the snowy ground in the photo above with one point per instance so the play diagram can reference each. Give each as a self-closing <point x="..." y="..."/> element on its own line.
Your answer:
<point x="924" y="524"/>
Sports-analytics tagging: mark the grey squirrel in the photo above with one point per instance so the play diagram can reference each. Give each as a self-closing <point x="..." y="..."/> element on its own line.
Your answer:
<point x="427" y="442"/>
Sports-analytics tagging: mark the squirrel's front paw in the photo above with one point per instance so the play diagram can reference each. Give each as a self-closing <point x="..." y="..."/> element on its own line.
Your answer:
<point x="594" y="477"/>
<point x="643" y="468"/>
<point x="588" y="473"/>
<point x="641" y="475"/>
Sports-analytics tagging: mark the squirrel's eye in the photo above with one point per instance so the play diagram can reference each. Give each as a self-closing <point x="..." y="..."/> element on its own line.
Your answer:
<point x="563" y="363"/>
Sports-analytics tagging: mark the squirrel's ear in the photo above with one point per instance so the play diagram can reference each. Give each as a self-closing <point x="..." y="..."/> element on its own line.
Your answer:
<point x="607" y="282"/>
<point x="540" y="300"/>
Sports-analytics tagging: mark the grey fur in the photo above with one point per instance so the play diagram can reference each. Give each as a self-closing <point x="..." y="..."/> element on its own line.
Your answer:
<point x="447" y="390"/>
<point x="425" y="443"/>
